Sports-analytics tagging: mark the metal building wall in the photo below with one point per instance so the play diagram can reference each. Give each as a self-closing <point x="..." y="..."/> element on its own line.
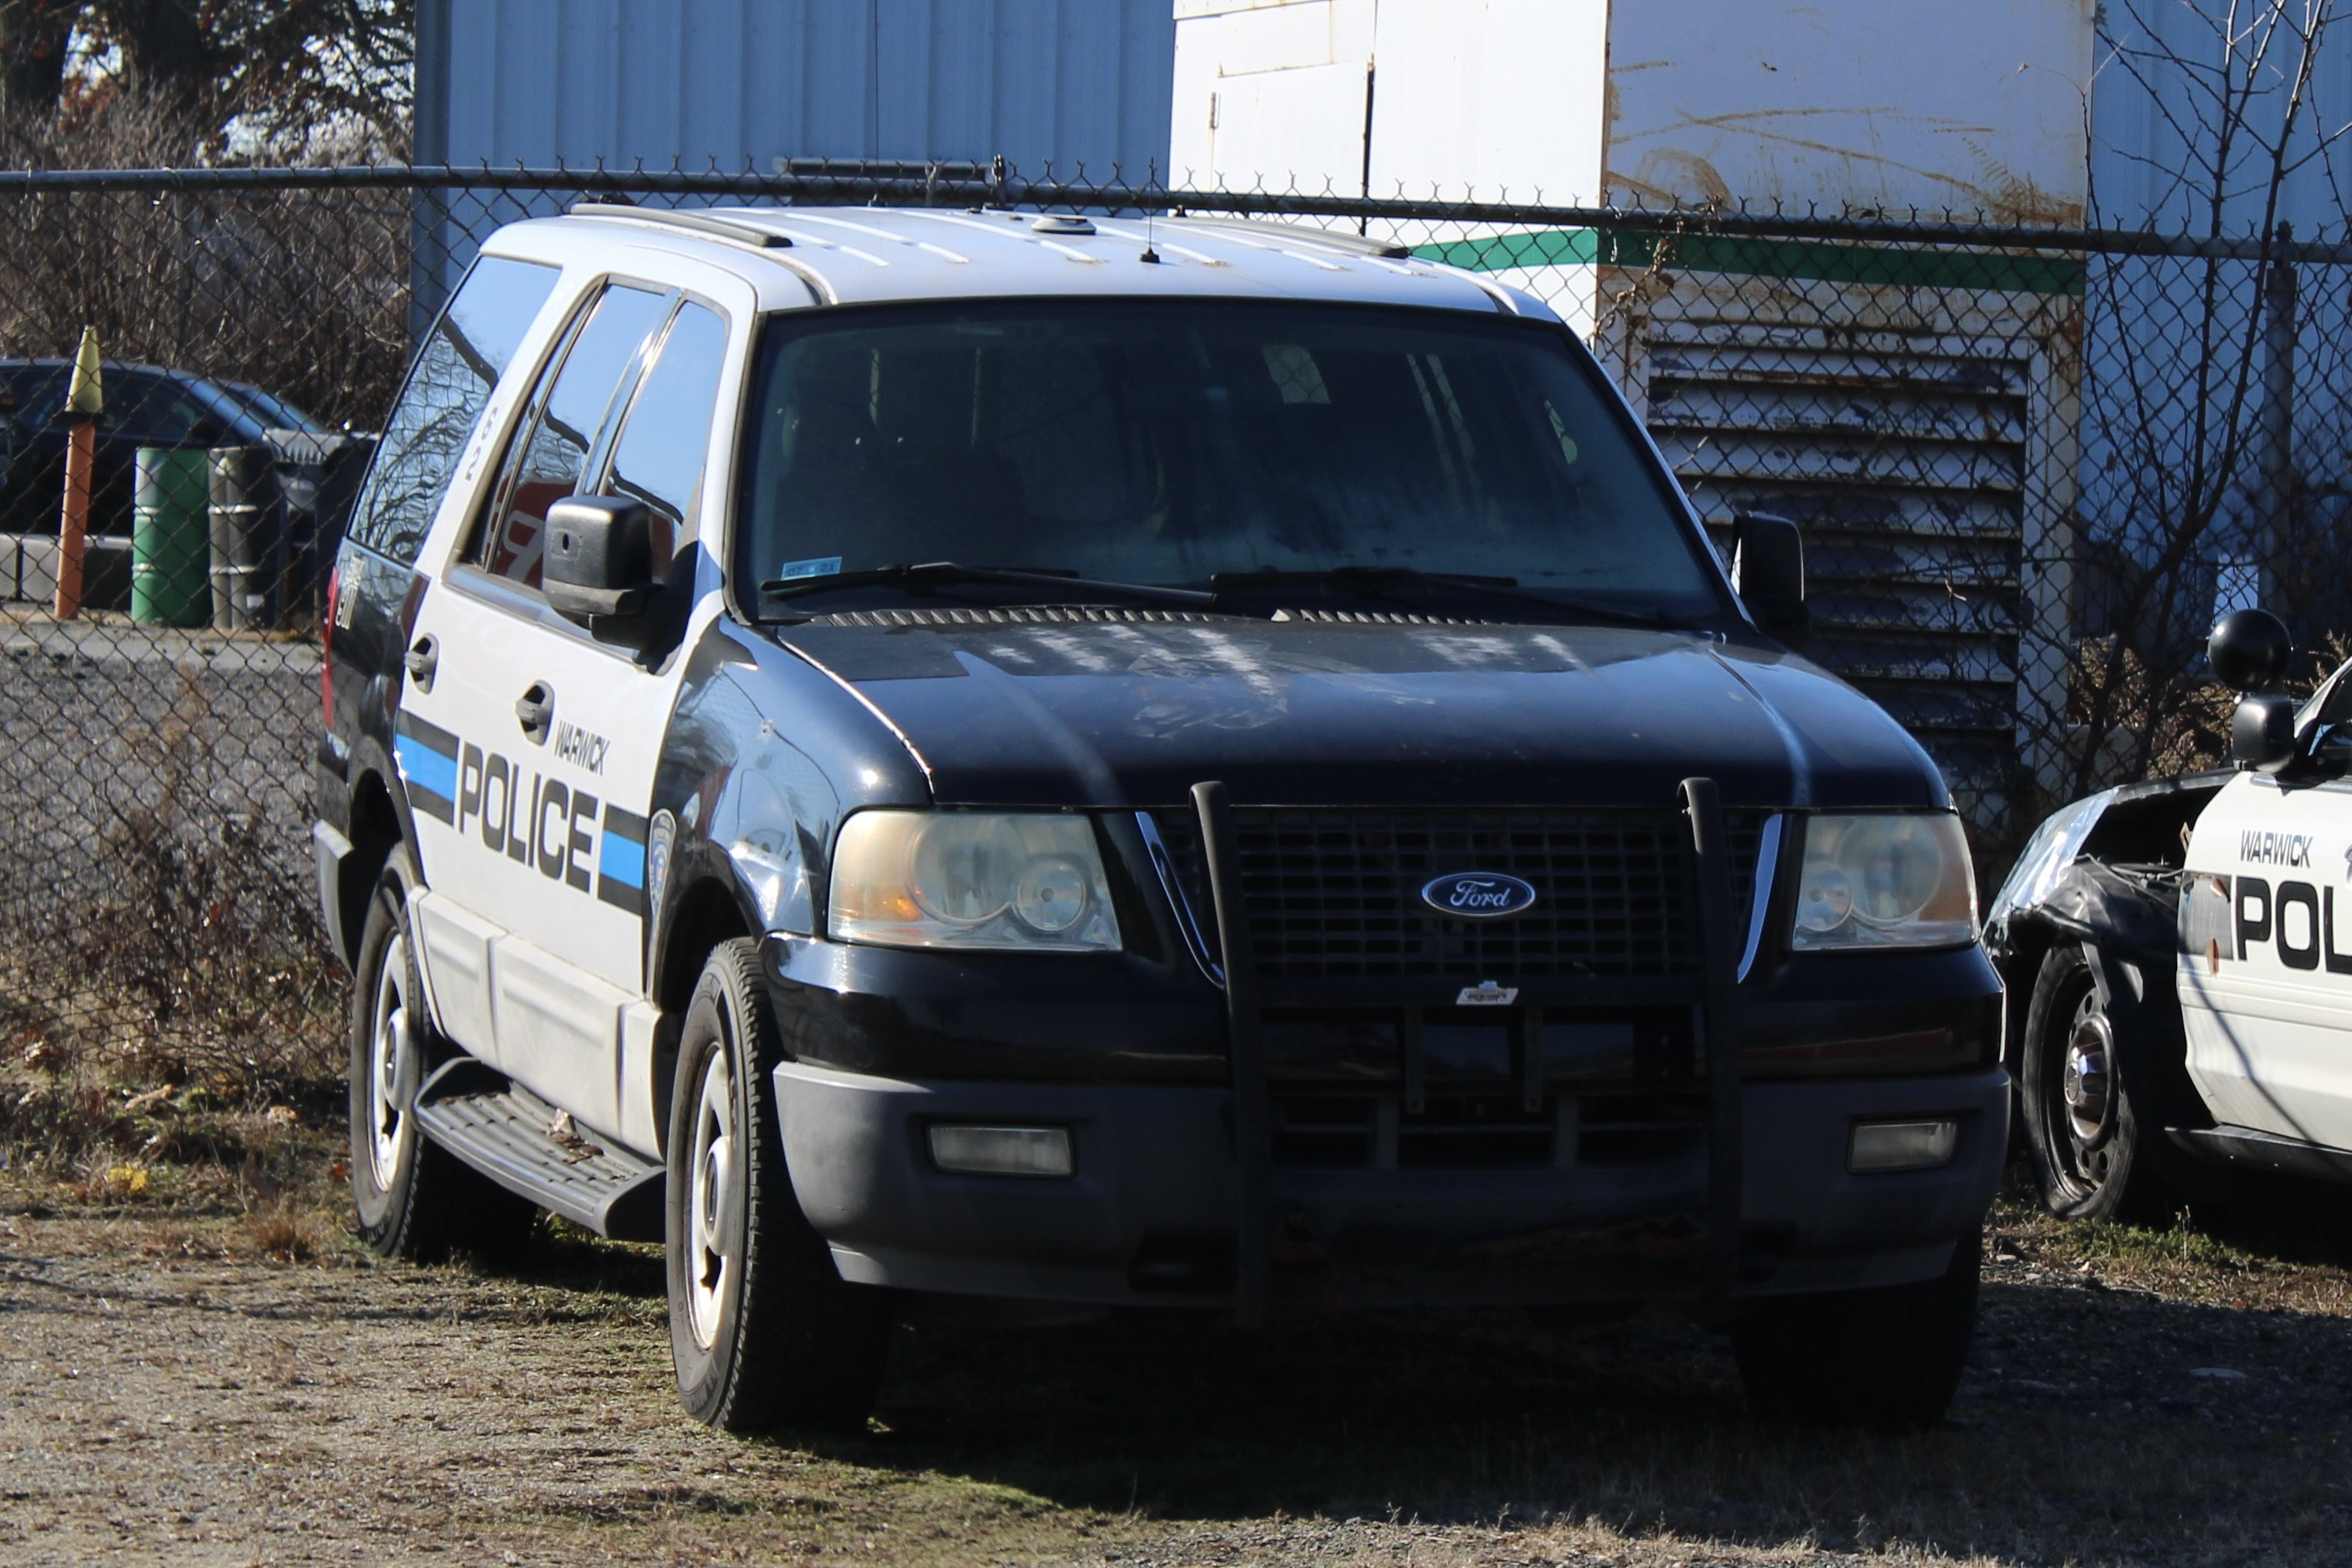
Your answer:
<point x="1068" y="83"/>
<point x="2158" y="133"/>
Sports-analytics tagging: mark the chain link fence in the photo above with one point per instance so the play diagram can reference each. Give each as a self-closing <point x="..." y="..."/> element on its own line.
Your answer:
<point x="2029" y="465"/>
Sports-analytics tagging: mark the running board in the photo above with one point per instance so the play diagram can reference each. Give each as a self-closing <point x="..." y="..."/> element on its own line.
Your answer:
<point x="2245" y="1147"/>
<point x="526" y="1145"/>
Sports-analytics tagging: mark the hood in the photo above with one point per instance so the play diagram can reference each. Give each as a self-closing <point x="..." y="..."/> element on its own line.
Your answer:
<point x="1084" y="708"/>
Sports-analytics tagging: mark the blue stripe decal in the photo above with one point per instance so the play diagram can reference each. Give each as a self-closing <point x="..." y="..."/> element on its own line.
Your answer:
<point x="622" y="860"/>
<point x="426" y="767"/>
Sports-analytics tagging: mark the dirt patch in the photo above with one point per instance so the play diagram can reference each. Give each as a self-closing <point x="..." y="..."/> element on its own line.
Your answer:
<point x="173" y="1389"/>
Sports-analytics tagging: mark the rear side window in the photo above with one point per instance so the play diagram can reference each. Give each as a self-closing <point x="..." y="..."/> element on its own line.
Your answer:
<point x="29" y="396"/>
<point x="567" y="408"/>
<point x="158" y="411"/>
<point x="448" y="389"/>
<point x="663" y="444"/>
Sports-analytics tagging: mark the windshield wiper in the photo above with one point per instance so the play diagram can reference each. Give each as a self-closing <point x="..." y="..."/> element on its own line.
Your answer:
<point x="1381" y="582"/>
<point x="938" y="574"/>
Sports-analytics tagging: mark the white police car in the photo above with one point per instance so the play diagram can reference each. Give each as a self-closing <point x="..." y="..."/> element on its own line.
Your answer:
<point x="1177" y="763"/>
<point x="2188" y="968"/>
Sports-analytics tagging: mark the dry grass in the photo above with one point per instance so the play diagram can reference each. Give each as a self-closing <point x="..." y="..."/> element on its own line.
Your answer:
<point x="165" y="987"/>
<point x="285" y="1231"/>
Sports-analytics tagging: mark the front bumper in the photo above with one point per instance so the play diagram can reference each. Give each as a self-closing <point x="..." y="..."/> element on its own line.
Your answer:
<point x="1148" y="1216"/>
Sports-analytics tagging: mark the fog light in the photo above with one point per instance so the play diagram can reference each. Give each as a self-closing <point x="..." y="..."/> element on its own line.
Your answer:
<point x="1902" y="1145"/>
<point x="1002" y="1151"/>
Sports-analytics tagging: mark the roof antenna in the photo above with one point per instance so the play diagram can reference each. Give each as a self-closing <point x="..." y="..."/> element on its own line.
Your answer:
<point x="1149" y="254"/>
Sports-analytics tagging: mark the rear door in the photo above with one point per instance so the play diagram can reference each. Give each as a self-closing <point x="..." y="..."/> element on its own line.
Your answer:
<point x="448" y="395"/>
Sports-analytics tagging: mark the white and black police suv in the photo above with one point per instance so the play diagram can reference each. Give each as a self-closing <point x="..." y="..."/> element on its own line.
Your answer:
<point x="2192" y="1001"/>
<point x="1183" y="764"/>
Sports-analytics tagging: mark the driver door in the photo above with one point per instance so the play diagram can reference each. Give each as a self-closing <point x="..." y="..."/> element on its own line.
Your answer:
<point x="2265" y="979"/>
<point x="554" y="737"/>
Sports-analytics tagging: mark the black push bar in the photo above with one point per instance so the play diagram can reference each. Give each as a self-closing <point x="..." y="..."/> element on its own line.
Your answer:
<point x="1716" y="1019"/>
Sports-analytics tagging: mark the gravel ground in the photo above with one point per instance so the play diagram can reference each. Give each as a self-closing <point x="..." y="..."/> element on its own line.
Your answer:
<point x="169" y="1395"/>
<point x="107" y="723"/>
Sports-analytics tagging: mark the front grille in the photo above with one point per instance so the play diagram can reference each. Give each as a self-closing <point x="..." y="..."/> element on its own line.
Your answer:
<point x="1334" y="893"/>
<point x="1470" y="1130"/>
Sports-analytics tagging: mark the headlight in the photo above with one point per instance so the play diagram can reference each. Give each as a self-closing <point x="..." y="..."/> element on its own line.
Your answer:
<point x="1890" y="880"/>
<point x="970" y="879"/>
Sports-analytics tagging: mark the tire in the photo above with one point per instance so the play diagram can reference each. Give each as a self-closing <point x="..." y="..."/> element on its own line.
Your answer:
<point x="2083" y="1134"/>
<point x="1886" y="1358"/>
<point x="764" y="1332"/>
<point x="415" y="1199"/>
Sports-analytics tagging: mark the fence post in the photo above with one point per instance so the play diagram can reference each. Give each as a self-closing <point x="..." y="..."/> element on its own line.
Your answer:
<point x="85" y="401"/>
<point x="2052" y="534"/>
<point x="2276" y="445"/>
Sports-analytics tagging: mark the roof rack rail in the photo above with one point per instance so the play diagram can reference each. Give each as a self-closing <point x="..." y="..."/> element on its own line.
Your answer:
<point x="1338" y="239"/>
<point x="699" y="223"/>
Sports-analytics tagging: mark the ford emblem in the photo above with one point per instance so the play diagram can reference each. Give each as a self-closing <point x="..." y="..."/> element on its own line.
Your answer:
<point x="1478" y="895"/>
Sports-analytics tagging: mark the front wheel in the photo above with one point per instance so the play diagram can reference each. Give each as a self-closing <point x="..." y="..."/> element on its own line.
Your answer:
<point x="764" y="1331"/>
<point x="1888" y="1358"/>
<point x="2090" y="1159"/>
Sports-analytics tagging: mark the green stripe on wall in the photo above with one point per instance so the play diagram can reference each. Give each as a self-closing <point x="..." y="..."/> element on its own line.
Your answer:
<point x="1817" y="259"/>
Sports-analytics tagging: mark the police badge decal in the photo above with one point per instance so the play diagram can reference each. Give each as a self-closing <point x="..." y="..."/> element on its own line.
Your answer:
<point x="659" y="834"/>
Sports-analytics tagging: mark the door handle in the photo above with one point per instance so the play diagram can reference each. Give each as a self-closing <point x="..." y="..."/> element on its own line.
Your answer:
<point x="421" y="662"/>
<point x="535" y="711"/>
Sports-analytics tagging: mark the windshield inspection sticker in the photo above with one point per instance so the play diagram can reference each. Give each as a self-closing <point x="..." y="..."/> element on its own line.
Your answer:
<point x="820" y="566"/>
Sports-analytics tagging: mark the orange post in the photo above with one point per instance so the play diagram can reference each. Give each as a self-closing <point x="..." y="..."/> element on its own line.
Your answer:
<point x="81" y="451"/>
<point x="85" y="402"/>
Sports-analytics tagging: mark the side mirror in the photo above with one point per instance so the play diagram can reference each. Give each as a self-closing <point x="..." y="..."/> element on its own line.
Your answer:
<point x="599" y="558"/>
<point x="1767" y="572"/>
<point x="2250" y="650"/>
<point x="2262" y="734"/>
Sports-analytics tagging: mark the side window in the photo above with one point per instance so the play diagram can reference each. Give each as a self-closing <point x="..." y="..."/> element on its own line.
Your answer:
<point x="549" y="459"/>
<point x="447" y="390"/>
<point x="29" y="397"/>
<point x="150" y="408"/>
<point x="659" y="456"/>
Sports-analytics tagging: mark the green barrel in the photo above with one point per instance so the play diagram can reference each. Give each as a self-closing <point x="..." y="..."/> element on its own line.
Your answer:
<point x="171" y="550"/>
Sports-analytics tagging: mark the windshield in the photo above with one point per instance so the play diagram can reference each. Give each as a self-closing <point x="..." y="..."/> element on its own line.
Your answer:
<point x="1171" y="443"/>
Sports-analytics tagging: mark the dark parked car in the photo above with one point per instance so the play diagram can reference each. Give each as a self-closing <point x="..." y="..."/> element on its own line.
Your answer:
<point x="145" y="406"/>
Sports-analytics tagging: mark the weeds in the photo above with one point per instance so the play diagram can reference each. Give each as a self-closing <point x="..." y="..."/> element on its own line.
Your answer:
<point x="163" y="989"/>
<point x="285" y="1230"/>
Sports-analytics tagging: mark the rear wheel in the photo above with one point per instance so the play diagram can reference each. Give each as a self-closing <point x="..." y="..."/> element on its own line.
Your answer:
<point x="413" y="1198"/>
<point x="763" y="1329"/>
<point x="1888" y="1358"/>
<point x="2090" y="1157"/>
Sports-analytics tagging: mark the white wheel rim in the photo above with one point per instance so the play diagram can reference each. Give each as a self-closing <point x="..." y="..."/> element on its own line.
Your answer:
<point x="714" y="1238"/>
<point x="391" y="1058"/>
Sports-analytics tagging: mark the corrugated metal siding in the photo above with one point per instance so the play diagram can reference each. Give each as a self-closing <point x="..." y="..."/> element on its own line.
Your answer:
<point x="1067" y="82"/>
